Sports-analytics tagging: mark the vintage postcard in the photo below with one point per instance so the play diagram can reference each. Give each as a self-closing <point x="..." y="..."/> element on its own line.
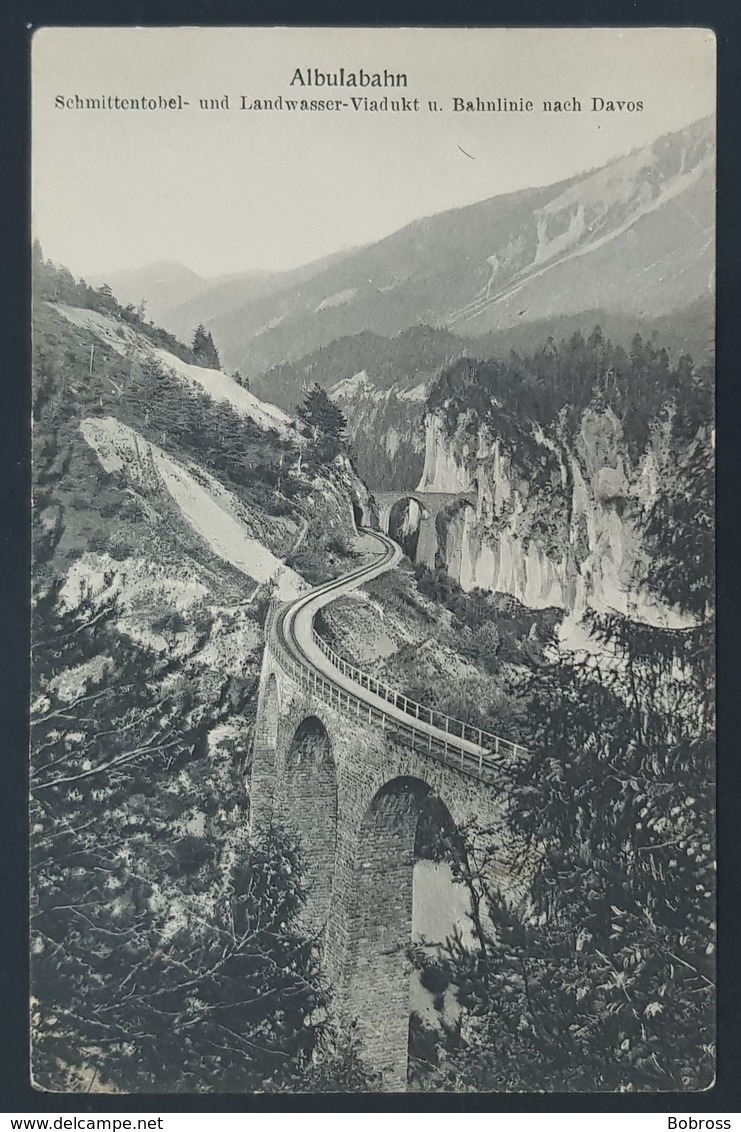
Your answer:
<point x="373" y="596"/>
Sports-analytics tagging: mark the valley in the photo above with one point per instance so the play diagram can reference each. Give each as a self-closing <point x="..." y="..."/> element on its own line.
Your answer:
<point x="394" y="594"/>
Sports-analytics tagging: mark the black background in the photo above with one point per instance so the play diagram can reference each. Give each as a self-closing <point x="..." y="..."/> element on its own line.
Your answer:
<point x="17" y="21"/>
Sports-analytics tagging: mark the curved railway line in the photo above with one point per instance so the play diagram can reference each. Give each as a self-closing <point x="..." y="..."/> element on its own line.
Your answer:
<point x="334" y="679"/>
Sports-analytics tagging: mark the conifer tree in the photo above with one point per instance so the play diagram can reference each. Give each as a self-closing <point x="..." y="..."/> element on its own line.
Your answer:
<point x="324" y="423"/>
<point x="203" y="350"/>
<point x="106" y="298"/>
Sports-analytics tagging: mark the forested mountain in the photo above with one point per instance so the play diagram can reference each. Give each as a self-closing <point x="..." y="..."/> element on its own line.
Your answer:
<point x="382" y="383"/>
<point x="178" y="299"/>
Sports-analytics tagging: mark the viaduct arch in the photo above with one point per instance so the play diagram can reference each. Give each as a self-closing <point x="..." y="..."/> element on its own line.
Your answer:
<point x="431" y="504"/>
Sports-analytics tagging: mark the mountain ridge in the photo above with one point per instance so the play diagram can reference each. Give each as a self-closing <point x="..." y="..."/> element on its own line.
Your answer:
<point x="158" y="284"/>
<point x="603" y="239"/>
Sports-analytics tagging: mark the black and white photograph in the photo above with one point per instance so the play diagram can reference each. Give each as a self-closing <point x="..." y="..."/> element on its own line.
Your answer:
<point x="373" y="623"/>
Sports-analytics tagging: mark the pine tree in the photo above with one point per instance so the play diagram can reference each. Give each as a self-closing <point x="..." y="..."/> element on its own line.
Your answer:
<point x="37" y="262"/>
<point x="105" y="298"/>
<point x="324" y="423"/>
<point x="321" y="416"/>
<point x="203" y="350"/>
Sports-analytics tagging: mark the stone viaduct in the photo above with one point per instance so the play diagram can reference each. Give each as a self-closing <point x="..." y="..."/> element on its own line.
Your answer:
<point x="431" y="504"/>
<point x="349" y="763"/>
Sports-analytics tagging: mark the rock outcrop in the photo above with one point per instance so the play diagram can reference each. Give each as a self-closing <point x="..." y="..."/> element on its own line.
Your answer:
<point x="560" y="514"/>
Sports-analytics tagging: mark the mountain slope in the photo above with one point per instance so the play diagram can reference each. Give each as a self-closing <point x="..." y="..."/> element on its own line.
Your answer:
<point x="607" y="238"/>
<point x="162" y="285"/>
<point x="165" y="512"/>
<point x="219" y="298"/>
<point x="196" y="449"/>
<point x="638" y="265"/>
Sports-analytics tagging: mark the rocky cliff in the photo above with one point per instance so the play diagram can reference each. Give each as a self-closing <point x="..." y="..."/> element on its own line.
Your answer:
<point x="384" y="426"/>
<point x="565" y="511"/>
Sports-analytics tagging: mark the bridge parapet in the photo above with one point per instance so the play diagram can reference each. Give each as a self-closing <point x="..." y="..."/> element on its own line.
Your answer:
<point x="453" y="747"/>
<point x="431" y="502"/>
<point x="492" y="746"/>
<point x="431" y="505"/>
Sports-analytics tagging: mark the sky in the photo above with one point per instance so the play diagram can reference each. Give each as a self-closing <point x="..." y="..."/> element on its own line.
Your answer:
<point x="230" y="191"/>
